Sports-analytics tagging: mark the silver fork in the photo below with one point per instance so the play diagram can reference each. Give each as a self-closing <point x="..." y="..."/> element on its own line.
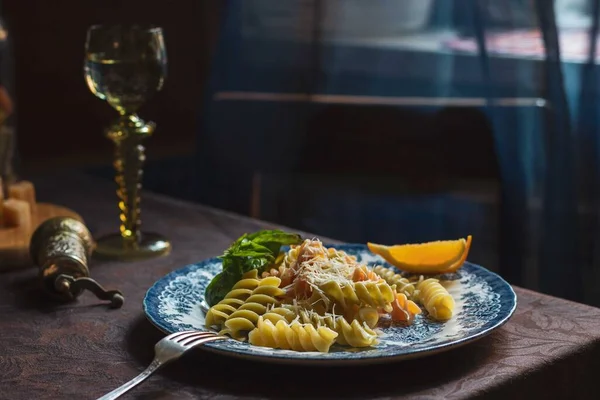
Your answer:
<point x="168" y="349"/>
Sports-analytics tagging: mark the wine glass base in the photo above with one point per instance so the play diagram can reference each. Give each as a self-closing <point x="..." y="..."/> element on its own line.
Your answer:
<point x="114" y="247"/>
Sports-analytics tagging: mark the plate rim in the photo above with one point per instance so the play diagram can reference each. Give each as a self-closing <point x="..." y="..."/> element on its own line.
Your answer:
<point x="284" y="359"/>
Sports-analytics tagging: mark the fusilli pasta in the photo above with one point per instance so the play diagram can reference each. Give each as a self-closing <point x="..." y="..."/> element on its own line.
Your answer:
<point x="354" y="334"/>
<point x="375" y="294"/>
<point x="244" y="319"/>
<point x="313" y="297"/>
<point x="291" y="256"/>
<point x="219" y="313"/>
<point x="291" y="336"/>
<point x="403" y="285"/>
<point x="363" y="273"/>
<point x="403" y="309"/>
<point x="280" y="314"/>
<point x="368" y="315"/>
<point x="436" y="299"/>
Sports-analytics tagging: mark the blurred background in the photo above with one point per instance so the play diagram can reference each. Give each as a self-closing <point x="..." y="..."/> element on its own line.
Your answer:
<point x="390" y="121"/>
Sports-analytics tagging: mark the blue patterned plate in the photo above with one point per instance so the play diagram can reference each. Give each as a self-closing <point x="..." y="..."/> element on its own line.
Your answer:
<point x="484" y="302"/>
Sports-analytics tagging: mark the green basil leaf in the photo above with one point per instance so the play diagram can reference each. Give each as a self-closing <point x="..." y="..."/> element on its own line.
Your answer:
<point x="256" y="250"/>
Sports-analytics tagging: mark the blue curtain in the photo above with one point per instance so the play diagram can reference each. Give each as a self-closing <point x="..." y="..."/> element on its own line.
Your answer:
<point x="278" y="64"/>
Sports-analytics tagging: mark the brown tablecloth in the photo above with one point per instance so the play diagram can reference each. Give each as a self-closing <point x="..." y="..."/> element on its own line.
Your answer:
<point x="549" y="349"/>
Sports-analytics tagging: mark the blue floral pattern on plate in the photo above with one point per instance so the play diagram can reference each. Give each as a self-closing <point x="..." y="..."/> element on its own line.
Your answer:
<point x="484" y="302"/>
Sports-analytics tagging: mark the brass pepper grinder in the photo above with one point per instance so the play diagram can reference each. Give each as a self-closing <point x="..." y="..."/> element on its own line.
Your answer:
<point x="61" y="247"/>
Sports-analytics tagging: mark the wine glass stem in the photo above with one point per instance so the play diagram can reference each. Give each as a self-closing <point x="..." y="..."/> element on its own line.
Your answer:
<point x="128" y="164"/>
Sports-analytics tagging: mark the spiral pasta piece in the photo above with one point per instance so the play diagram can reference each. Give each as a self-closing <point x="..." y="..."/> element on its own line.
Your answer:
<point x="279" y="314"/>
<point x="375" y="294"/>
<point x="436" y="299"/>
<point x="284" y="273"/>
<point x="317" y="303"/>
<point x="403" y="309"/>
<point x="363" y="273"/>
<point x="245" y="318"/>
<point x="291" y="257"/>
<point x="366" y="314"/>
<point x="403" y="285"/>
<point x="236" y="297"/>
<point x="355" y="334"/>
<point x="345" y="295"/>
<point x="334" y="254"/>
<point x="291" y="336"/>
<point x="275" y="271"/>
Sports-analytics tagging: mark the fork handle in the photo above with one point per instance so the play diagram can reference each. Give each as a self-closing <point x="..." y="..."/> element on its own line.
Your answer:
<point x="154" y="365"/>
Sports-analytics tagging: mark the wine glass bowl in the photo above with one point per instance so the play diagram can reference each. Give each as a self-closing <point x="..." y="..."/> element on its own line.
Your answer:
<point x="125" y="66"/>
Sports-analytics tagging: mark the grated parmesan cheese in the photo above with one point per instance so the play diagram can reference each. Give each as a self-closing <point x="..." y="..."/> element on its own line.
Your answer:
<point x="316" y="265"/>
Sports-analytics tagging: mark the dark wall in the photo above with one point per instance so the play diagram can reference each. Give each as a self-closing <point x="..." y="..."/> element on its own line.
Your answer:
<point x="58" y="118"/>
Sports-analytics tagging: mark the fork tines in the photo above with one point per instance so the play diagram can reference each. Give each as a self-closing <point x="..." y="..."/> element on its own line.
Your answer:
<point x="192" y="338"/>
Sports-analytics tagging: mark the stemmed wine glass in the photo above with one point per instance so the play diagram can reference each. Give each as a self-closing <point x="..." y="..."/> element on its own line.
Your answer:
<point x="125" y="66"/>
